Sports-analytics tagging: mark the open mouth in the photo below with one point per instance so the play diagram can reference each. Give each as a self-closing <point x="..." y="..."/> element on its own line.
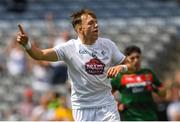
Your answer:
<point x="95" y="31"/>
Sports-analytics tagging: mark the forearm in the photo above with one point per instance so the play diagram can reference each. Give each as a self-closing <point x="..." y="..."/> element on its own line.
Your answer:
<point x="38" y="54"/>
<point x="35" y="53"/>
<point x="162" y="91"/>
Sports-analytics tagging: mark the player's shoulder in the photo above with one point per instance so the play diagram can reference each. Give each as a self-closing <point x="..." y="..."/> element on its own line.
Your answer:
<point x="70" y="42"/>
<point x="105" y="40"/>
<point x="67" y="45"/>
<point x="148" y="70"/>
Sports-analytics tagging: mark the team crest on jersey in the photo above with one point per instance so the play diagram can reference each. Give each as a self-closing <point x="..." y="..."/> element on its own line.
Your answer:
<point x="94" y="67"/>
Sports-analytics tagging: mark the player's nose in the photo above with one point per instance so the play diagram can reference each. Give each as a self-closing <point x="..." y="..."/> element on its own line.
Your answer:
<point x="96" y="25"/>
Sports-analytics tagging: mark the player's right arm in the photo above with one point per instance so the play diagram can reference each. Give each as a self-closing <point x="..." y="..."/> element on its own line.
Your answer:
<point x="35" y="52"/>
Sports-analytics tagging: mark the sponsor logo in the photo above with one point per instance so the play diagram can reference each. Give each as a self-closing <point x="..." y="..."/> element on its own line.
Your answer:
<point x="83" y="51"/>
<point x="103" y="52"/>
<point x="94" y="67"/>
<point x="138" y="83"/>
<point x="93" y="53"/>
<point x="136" y="79"/>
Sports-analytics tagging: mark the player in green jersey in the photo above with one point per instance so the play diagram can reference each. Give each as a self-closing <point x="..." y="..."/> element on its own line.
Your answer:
<point x="136" y="87"/>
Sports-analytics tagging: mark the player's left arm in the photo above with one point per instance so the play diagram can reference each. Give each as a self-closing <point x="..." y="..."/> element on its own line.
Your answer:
<point x="162" y="91"/>
<point x="160" y="88"/>
<point x="123" y="66"/>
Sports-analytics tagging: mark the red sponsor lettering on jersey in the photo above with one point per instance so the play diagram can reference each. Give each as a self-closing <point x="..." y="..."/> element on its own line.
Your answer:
<point x="94" y="66"/>
<point x="137" y="78"/>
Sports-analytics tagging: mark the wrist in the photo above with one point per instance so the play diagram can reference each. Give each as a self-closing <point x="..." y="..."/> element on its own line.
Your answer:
<point x="28" y="45"/>
<point x="124" y="68"/>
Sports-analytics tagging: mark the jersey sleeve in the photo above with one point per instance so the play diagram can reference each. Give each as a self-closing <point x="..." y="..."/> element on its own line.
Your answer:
<point x="156" y="80"/>
<point x="59" y="52"/>
<point x="156" y="84"/>
<point x="117" y="56"/>
<point x="62" y="51"/>
<point x="116" y="81"/>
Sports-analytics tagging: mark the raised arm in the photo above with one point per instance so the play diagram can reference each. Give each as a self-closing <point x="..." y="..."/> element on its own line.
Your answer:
<point x="32" y="50"/>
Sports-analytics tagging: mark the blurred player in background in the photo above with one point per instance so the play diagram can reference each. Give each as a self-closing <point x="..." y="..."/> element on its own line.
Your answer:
<point x="136" y="87"/>
<point x="90" y="60"/>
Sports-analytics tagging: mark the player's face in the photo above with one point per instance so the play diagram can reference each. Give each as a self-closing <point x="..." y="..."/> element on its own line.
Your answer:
<point x="89" y="27"/>
<point x="136" y="59"/>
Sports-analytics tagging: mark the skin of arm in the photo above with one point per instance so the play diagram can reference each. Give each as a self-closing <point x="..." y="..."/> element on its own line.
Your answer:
<point x="160" y="86"/>
<point x="162" y="91"/>
<point x="45" y="55"/>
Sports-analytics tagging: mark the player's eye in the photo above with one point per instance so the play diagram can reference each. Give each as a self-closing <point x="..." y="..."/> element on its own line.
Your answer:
<point x="90" y="23"/>
<point x="132" y="58"/>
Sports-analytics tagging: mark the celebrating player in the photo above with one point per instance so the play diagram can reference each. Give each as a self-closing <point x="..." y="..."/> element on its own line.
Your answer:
<point x="90" y="60"/>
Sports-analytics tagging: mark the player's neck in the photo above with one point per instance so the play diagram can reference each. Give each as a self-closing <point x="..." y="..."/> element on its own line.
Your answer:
<point x="135" y="70"/>
<point x="86" y="41"/>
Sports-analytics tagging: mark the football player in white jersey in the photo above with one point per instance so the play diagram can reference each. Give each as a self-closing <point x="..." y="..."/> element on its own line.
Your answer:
<point x="91" y="60"/>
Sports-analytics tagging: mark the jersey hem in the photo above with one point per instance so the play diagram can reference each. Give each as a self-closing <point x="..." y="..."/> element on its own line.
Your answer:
<point x="99" y="106"/>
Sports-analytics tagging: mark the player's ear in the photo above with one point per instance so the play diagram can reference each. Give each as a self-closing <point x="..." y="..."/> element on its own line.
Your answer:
<point x="79" y="28"/>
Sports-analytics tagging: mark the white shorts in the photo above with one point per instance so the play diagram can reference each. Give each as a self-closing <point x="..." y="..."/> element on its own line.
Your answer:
<point x="105" y="113"/>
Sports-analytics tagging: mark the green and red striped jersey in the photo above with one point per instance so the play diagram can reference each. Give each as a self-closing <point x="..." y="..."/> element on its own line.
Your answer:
<point x="136" y="87"/>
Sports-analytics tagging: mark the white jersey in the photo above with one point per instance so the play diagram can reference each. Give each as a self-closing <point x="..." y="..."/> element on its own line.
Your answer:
<point x="87" y="68"/>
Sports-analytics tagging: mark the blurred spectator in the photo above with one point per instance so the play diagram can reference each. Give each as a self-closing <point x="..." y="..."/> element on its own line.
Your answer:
<point x="63" y="113"/>
<point x="27" y="104"/>
<point x="54" y="102"/>
<point x="173" y="96"/>
<point x="40" y="74"/>
<point x="173" y="111"/>
<point x="17" y="6"/>
<point x="177" y="77"/>
<point x="12" y="115"/>
<point x="59" y="69"/>
<point x="162" y="102"/>
<point x="2" y="64"/>
<point x="178" y="2"/>
<point x="41" y="112"/>
<point x="173" y="93"/>
<point x="16" y="61"/>
<point x="51" y="27"/>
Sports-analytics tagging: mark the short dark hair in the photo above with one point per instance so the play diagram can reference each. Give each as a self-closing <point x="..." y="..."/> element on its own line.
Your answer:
<point x="131" y="49"/>
<point x="76" y="16"/>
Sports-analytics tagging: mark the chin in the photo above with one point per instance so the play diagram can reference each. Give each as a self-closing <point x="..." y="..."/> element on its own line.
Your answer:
<point x="96" y="37"/>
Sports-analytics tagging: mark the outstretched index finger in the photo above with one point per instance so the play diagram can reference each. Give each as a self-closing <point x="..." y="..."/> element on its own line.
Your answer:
<point x="21" y="29"/>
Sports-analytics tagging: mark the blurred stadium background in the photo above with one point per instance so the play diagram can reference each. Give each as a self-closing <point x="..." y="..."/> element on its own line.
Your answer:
<point x="154" y="25"/>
